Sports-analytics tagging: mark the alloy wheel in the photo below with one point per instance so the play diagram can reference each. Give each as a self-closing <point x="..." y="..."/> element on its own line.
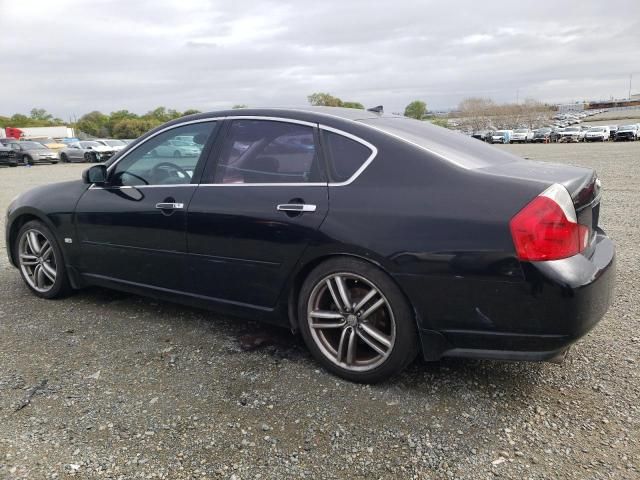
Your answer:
<point x="351" y="322"/>
<point x="37" y="260"/>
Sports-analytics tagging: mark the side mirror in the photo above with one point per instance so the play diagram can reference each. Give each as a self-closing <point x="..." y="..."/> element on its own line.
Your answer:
<point x="96" y="174"/>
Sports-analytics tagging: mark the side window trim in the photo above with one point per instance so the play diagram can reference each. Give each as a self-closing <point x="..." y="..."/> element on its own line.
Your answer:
<point x="362" y="168"/>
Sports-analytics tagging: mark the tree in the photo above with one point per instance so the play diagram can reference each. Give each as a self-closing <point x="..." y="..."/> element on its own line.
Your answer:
<point x="239" y="105"/>
<point x="94" y="123"/>
<point x="40" y="114"/>
<point x="416" y="109"/>
<point x="190" y="111"/>
<point x="133" y="127"/>
<point x="324" y="100"/>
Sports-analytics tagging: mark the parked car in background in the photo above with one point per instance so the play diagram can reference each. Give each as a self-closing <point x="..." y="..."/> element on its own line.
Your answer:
<point x="30" y="153"/>
<point x="86" y="151"/>
<point x="627" y="132"/>
<point x="571" y="134"/>
<point x="597" y="134"/>
<point x="542" y="135"/>
<point x="480" y="135"/>
<point x="178" y="148"/>
<point x="50" y="143"/>
<point x="492" y="255"/>
<point x="501" y="136"/>
<point x="8" y="156"/>
<point x="117" y="145"/>
<point x="522" y="135"/>
<point x="612" y="131"/>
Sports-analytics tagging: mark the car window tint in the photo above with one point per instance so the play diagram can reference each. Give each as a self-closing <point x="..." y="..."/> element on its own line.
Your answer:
<point x="346" y="155"/>
<point x="158" y="161"/>
<point x="266" y="151"/>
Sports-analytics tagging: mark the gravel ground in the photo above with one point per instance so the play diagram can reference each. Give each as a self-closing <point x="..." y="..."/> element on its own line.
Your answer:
<point x="110" y="385"/>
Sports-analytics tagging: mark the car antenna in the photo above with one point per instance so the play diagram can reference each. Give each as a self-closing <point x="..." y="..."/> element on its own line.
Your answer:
<point x="378" y="109"/>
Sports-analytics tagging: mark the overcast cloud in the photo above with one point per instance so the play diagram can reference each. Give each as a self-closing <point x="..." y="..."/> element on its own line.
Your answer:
<point x="71" y="57"/>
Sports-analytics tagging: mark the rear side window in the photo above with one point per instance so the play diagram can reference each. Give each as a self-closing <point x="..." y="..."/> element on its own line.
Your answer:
<point x="346" y="155"/>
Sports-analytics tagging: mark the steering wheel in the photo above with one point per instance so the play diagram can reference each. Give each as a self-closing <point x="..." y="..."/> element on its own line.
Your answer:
<point x="169" y="170"/>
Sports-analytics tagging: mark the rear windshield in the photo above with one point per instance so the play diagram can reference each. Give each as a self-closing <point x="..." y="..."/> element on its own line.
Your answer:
<point x="460" y="149"/>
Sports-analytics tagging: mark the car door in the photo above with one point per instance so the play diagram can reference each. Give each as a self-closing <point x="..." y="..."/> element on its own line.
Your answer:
<point x="262" y="201"/>
<point x="74" y="152"/>
<point x="132" y="230"/>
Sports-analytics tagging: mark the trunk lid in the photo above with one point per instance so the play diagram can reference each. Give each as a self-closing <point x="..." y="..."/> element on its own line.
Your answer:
<point x="582" y="184"/>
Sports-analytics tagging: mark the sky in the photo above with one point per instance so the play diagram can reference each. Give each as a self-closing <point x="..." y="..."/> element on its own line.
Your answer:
<point x="71" y="57"/>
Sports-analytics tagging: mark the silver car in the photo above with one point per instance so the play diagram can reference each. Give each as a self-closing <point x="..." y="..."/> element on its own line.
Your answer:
<point x="86" y="151"/>
<point x="29" y="153"/>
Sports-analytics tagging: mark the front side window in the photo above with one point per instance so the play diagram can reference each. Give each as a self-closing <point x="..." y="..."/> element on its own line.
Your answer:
<point x="346" y="155"/>
<point x="267" y="151"/>
<point x="158" y="161"/>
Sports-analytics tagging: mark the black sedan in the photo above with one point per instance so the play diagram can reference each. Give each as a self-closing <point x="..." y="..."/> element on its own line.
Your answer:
<point x="375" y="236"/>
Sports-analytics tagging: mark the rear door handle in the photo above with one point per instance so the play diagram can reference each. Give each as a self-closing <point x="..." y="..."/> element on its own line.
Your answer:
<point x="170" y="206"/>
<point x="296" y="207"/>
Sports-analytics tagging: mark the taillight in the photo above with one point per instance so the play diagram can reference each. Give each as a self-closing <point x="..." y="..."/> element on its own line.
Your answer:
<point x="547" y="228"/>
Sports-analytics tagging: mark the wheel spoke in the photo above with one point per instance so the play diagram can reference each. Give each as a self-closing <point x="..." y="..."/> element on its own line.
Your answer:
<point x="372" y="309"/>
<point x="334" y="297"/>
<point x="45" y="250"/>
<point x="49" y="271"/>
<point x="344" y="294"/>
<point x="376" y="334"/>
<point x="38" y="276"/>
<point x="351" y="347"/>
<point x="372" y="293"/>
<point x="326" y="319"/>
<point x="34" y="244"/>
<point x="369" y="341"/>
<point x="27" y="260"/>
<point x="342" y="345"/>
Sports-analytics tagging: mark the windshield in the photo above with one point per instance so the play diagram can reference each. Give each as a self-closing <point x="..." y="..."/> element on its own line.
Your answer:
<point x="501" y="132"/>
<point x="114" y="143"/>
<point x="572" y="129"/>
<point x="520" y="130"/>
<point x="596" y="129"/>
<point x="32" y="145"/>
<point x="459" y="149"/>
<point x="628" y="127"/>
<point x="90" y="144"/>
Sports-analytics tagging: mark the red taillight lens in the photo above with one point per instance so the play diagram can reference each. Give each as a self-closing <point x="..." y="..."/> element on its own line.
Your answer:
<point x="542" y="231"/>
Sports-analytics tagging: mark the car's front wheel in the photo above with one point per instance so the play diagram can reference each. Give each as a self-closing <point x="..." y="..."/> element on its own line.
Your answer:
<point x="356" y="322"/>
<point x="40" y="260"/>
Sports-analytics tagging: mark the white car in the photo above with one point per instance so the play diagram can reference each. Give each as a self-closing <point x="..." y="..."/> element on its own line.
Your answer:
<point x="501" y="136"/>
<point x="522" y="135"/>
<point x="177" y="149"/>
<point x="571" y="134"/>
<point x="114" y="144"/>
<point x="597" y="134"/>
<point x="86" y="151"/>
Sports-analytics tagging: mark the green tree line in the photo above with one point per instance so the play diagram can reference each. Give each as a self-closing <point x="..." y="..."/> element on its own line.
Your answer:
<point x="118" y="124"/>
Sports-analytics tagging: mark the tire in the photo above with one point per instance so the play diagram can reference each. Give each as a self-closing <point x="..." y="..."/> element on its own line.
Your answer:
<point x="27" y="160"/>
<point x="177" y="154"/>
<point x="23" y="249"/>
<point x="64" y="158"/>
<point x="384" y="342"/>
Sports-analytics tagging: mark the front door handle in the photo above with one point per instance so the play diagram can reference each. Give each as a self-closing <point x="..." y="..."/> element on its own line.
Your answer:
<point x="296" y="207"/>
<point x="170" y="206"/>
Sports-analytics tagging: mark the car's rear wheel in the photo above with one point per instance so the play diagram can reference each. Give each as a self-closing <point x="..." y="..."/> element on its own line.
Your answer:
<point x="27" y="160"/>
<point x="356" y="322"/>
<point x="64" y="158"/>
<point x="177" y="154"/>
<point x="40" y="260"/>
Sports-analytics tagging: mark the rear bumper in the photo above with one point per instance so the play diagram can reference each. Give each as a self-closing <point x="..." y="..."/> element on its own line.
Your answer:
<point x="536" y="318"/>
